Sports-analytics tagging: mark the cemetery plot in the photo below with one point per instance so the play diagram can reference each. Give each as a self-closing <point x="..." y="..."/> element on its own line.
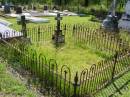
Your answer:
<point x="76" y="58"/>
<point x="83" y="47"/>
<point x="43" y="60"/>
<point x="87" y="60"/>
<point x="73" y="57"/>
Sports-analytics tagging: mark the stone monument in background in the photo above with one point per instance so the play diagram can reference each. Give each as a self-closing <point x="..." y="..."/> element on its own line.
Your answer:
<point x="124" y="22"/>
<point x="110" y="23"/>
<point x="7" y="9"/>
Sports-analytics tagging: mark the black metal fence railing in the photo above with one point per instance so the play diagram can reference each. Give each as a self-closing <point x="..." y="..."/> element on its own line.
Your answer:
<point x="44" y="73"/>
<point x="82" y="34"/>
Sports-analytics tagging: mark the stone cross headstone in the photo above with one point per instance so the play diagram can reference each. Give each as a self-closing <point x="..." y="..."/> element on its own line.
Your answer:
<point x="7" y="9"/>
<point x="58" y="18"/>
<point x="58" y="37"/>
<point x="23" y="23"/>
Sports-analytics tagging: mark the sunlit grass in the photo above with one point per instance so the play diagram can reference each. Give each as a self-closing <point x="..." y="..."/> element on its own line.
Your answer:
<point x="75" y="57"/>
<point x="10" y="86"/>
<point x="65" y="20"/>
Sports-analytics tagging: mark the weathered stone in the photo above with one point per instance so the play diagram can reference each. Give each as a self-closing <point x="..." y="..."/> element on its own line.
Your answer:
<point x="7" y="9"/>
<point x="58" y="37"/>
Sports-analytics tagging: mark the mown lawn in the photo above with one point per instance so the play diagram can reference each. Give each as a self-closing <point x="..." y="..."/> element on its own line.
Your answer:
<point x="11" y="86"/>
<point x="65" y="20"/>
<point x="74" y="56"/>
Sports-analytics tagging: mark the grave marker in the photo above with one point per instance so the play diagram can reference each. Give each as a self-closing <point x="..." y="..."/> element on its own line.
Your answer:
<point x="23" y="23"/>
<point x="7" y="9"/>
<point x="58" y="37"/>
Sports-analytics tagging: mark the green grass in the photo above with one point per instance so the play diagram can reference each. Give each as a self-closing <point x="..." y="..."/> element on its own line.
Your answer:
<point x="11" y="86"/>
<point x="126" y="93"/>
<point x="65" y="20"/>
<point x="75" y="57"/>
<point x="109" y="90"/>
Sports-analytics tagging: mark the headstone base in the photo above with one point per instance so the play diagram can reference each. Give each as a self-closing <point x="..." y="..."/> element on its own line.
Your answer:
<point x="124" y="24"/>
<point x="26" y="40"/>
<point x="58" y="39"/>
<point x="110" y="24"/>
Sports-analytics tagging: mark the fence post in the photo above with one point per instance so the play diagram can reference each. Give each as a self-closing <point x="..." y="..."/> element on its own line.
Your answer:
<point x="65" y="28"/>
<point x="74" y="28"/>
<point x="39" y="32"/>
<point x="75" y="85"/>
<point x="1" y="36"/>
<point x="114" y="67"/>
<point x="23" y="22"/>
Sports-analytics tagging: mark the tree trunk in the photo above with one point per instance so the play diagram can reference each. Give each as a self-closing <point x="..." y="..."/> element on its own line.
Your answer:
<point x="86" y="2"/>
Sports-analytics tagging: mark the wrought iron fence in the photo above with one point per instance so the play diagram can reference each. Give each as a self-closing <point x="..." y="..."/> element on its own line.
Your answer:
<point x="43" y="73"/>
<point x="82" y="34"/>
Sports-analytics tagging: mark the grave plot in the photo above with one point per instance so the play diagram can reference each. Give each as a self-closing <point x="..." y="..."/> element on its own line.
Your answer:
<point x="83" y="47"/>
<point x="90" y="53"/>
<point x="88" y="60"/>
<point x="71" y="54"/>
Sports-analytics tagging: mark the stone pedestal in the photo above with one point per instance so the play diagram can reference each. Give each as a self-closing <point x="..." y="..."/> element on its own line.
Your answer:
<point x="110" y="24"/>
<point x="58" y="38"/>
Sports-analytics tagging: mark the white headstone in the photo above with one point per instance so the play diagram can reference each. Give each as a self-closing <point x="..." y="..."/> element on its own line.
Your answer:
<point x="7" y="32"/>
<point x="124" y="22"/>
<point x="127" y="8"/>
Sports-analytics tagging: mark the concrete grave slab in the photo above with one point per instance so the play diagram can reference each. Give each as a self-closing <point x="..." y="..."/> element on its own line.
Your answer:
<point x="7" y="33"/>
<point x="4" y="22"/>
<point x="34" y="19"/>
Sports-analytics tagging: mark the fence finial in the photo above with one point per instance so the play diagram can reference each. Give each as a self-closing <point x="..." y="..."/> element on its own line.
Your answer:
<point x="75" y="85"/>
